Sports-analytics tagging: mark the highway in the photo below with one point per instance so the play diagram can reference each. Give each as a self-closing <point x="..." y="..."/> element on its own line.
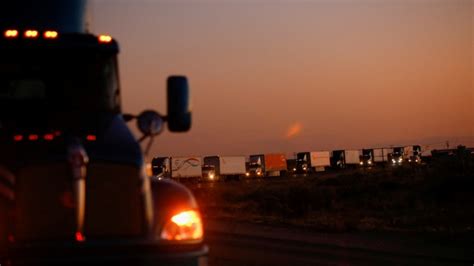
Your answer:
<point x="261" y="245"/>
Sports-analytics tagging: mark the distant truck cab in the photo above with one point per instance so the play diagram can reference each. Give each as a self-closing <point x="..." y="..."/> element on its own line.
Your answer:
<point x="72" y="174"/>
<point x="397" y="156"/>
<point x="367" y="157"/>
<point x="262" y="165"/>
<point x="316" y="161"/>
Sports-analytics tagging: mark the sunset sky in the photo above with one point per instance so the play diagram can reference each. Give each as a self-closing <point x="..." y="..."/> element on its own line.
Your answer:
<point x="285" y="76"/>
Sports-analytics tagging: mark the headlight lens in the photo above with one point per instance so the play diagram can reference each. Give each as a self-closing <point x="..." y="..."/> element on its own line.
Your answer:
<point x="186" y="225"/>
<point x="247" y="174"/>
<point x="361" y="163"/>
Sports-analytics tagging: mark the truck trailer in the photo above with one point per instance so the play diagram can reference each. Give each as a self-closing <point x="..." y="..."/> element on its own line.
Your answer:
<point x="186" y="168"/>
<point x="352" y="157"/>
<point x="225" y="167"/>
<point x="382" y="155"/>
<point x="272" y="164"/>
<point x="316" y="161"/>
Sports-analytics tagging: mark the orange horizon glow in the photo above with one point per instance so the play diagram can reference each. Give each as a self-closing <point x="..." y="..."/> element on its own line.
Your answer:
<point x="294" y="130"/>
<point x="353" y="74"/>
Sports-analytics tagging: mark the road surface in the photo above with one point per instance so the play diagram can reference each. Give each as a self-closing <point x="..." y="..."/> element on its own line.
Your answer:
<point x="259" y="245"/>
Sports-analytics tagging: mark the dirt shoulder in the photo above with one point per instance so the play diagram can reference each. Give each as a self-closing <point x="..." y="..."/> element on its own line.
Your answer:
<point x="436" y="198"/>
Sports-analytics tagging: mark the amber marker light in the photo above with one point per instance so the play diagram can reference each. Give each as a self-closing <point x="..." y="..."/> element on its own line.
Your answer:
<point x="31" y="34"/>
<point x="105" y="38"/>
<point x="50" y="34"/>
<point x="186" y="225"/>
<point x="10" y="34"/>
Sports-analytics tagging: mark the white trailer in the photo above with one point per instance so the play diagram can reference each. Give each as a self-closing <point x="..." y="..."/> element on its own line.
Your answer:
<point x="381" y="155"/>
<point x="407" y="152"/>
<point x="232" y="165"/>
<point x="320" y="160"/>
<point x="352" y="157"/>
<point x="387" y="153"/>
<point x="186" y="167"/>
<point x="378" y="156"/>
<point x="426" y="151"/>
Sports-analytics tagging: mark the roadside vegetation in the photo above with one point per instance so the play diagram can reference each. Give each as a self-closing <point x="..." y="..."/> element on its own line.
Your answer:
<point x="435" y="197"/>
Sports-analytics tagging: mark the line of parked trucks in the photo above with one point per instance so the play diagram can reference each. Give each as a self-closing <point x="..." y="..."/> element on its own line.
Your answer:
<point x="213" y="168"/>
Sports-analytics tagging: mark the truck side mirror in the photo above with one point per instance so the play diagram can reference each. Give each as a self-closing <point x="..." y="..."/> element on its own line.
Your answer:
<point x="179" y="115"/>
<point x="150" y="123"/>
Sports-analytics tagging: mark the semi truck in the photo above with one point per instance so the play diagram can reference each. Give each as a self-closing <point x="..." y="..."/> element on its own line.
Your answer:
<point x="338" y="160"/>
<point x="352" y="157"/>
<point x="345" y="158"/>
<point x="225" y="167"/>
<point x="73" y="186"/>
<point x="161" y="167"/>
<point x="180" y="168"/>
<point x="316" y="161"/>
<point x="412" y="154"/>
<point x="273" y="164"/>
<point x="367" y="157"/>
<point x="397" y="156"/>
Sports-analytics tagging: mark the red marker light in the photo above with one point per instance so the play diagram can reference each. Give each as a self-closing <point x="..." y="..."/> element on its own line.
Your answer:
<point x="91" y="138"/>
<point x="10" y="34"/>
<point x="80" y="237"/>
<point x="18" y="137"/>
<point x="31" y="34"/>
<point x="50" y="34"/>
<point x="105" y="38"/>
<point x="33" y="137"/>
<point x="48" y="137"/>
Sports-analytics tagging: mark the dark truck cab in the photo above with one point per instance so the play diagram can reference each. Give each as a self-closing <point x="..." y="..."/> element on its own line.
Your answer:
<point x="73" y="187"/>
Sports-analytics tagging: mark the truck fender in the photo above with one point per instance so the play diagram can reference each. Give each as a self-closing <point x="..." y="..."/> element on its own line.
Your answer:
<point x="169" y="198"/>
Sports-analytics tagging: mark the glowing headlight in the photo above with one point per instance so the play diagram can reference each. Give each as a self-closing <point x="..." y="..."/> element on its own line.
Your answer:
<point x="361" y="163"/>
<point x="304" y="168"/>
<point x="247" y="174"/>
<point x="186" y="225"/>
<point x="211" y="176"/>
<point x="400" y="160"/>
<point x="259" y="173"/>
<point x="369" y="162"/>
<point x="294" y="169"/>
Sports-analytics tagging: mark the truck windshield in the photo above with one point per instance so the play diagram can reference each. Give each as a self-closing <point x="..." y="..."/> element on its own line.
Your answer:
<point x="58" y="81"/>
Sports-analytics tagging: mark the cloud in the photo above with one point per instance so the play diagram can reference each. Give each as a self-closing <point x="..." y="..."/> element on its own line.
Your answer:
<point x="294" y="130"/>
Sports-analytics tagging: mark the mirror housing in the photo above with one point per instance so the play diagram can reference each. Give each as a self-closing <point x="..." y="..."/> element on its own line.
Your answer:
<point x="178" y="102"/>
<point x="150" y="123"/>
